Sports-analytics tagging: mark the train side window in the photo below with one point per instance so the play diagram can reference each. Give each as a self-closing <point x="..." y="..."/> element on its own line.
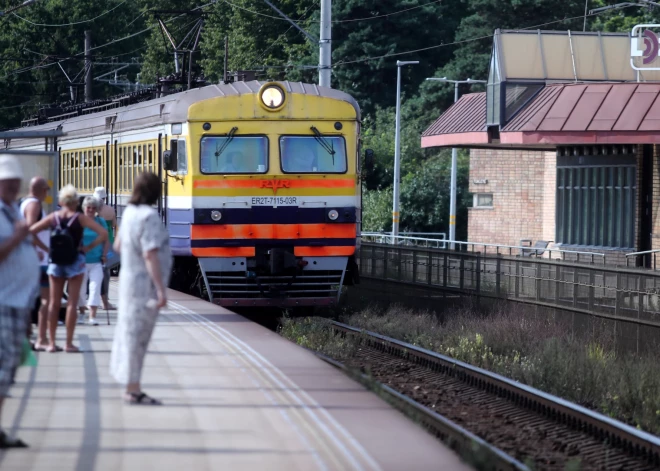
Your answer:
<point x="94" y="172"/>
<point x="182" y="158"/>
<point x="83" y="170"/>
<point x="122" y="163"/>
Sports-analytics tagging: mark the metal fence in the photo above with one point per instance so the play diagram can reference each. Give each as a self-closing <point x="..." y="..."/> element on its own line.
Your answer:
<point x="629" y="295"/>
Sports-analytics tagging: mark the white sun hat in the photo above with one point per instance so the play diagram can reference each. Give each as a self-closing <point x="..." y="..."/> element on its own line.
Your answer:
<point x="10" y="168"/>
<point x="99" y="192"/>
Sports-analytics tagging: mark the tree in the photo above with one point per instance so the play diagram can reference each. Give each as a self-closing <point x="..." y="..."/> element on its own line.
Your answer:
<point x="377" y="210"/>
<point x="47" y="35"/>
<point x="373" y="82"/>
<point x="259" y="39"/>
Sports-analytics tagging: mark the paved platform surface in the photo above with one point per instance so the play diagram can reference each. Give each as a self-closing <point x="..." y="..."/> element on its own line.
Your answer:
<point x="237" y="397"/>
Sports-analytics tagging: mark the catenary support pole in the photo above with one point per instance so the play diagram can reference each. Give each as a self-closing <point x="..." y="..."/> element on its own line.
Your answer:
<point x="225" y="79"/>
<point x="397" y="156"/>
<point x="88" y="66"/>
<point x="325" y="44"/>
<point x="454" y="163"/>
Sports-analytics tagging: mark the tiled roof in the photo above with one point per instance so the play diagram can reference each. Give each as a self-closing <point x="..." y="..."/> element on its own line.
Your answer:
<point x="468" y="114"/>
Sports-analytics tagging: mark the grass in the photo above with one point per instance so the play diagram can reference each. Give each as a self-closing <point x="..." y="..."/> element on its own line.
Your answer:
<point x="511" y="341"/>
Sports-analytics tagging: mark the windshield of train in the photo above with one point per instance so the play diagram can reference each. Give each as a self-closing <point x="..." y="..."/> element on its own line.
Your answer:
<point x="313" y="154"/>
<point x="234" y="154"/>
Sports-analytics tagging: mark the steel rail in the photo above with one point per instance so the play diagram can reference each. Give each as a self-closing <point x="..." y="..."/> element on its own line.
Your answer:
<point x="465" y="443"/>
<point x="619" y="435"/>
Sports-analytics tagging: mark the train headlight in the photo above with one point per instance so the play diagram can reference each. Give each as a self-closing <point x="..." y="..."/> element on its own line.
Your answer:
<point x="216" y="215"/>
<point x="333" y="214"/>
<point x="272" y="96"/>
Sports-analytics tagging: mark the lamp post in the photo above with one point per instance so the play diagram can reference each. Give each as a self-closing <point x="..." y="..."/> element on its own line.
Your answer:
<point x="452" y="185"/>
<point x="397" y="149"/>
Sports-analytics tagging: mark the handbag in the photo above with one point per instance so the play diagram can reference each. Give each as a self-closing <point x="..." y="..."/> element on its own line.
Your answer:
<point x="28" y="358"/>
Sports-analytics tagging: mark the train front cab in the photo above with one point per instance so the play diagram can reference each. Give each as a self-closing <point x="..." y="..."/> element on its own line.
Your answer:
<point x="271" y="197"/>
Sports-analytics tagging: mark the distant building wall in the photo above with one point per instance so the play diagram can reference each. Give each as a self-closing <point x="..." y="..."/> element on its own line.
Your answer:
<point x="522" y="185"/>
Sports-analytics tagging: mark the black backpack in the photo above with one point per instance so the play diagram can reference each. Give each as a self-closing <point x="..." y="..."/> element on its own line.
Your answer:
<point x="63" y="250"/>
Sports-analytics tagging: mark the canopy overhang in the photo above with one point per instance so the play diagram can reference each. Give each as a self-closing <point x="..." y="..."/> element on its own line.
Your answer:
<point x="559" y="115"/>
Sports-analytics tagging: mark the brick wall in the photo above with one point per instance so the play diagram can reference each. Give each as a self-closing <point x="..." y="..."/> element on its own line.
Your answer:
<point x="549" y="196"/>
<point x="655" y="237"/>
<point x="523" y="184"/>
<point x="523" y="188"/>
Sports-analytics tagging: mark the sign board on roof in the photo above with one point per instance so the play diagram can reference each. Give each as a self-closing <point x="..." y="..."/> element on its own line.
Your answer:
<point x="644" y="47"/>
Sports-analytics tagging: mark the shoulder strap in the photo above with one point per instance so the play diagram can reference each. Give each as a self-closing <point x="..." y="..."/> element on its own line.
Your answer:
<point x="72" y="220"/>
<point x="8" y="214"/>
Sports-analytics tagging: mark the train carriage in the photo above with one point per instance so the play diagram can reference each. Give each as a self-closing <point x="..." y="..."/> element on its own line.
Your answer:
<point x="261" y="183"/>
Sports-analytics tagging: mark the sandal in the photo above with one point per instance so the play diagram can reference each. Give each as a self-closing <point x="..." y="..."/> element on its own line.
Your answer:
<point x="6" y="442"/>
<point x="38" y="347"/>
<point x="54" y="349"/>
<point x="72" y="349"/>
<point x="141" y="399"/>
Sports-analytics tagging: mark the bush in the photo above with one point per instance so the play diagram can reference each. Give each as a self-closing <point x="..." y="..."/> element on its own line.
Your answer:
<point x="535" y="350"/>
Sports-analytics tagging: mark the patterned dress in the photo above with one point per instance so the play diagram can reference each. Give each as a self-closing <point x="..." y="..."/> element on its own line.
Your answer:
<point x="141" y="231"/>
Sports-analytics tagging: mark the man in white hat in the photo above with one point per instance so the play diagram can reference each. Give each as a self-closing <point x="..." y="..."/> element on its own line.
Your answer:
<point x="19" y="281"/>
<point x="106" y="212"/>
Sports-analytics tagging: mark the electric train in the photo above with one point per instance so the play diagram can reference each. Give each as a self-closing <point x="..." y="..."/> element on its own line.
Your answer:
<point x="261" y="183"/>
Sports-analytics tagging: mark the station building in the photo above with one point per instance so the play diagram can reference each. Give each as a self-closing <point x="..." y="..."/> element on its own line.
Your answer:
<point x="564" y="142"/>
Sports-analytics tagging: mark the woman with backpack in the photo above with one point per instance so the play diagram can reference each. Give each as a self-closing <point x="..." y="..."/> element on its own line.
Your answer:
<point x="67" y="259"/>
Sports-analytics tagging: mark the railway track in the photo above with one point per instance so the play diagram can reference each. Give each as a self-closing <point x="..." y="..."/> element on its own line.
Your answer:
<point x="541" y="430"/>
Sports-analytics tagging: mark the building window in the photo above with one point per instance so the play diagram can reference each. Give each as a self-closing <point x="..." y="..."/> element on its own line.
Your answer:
<point x="482" y="200"/>
<point x="596" y="203"/>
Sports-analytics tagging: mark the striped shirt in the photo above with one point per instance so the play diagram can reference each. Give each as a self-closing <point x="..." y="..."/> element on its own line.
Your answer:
<point x="19" y="272"/>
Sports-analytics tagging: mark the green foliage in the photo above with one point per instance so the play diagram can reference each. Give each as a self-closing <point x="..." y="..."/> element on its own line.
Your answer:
<point x="377" y="210"/>
<point x="425" y="196"/>
<point x="29" y="70"/>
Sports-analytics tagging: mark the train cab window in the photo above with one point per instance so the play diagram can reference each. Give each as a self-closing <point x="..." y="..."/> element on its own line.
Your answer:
<point x="311" y="154"/>
<point x="181" y="158"/>
<point x="229" y="154"/>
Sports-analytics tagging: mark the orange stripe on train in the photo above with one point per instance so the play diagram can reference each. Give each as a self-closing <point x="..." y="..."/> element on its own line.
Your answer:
<point x="273" y="231"/>
<point x="224" y="252"/>
<point x="250" y="251"/>
<point x="323" y="251"/>
<point x="276" y="183"/>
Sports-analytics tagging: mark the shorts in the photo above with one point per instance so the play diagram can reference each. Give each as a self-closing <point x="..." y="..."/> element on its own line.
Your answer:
<point x="43" y="281"/>
<point x="68" y="271"/>
<point x="13" y="323"/>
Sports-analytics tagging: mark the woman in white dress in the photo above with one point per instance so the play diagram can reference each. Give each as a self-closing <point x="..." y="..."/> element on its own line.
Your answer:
<point x="146" y="262"/>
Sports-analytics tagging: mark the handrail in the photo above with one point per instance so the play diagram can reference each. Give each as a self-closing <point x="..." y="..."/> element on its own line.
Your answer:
<point x="523" y="249"/>
<point x="381" y="235"/>
<point x="646" y="252"/>
<point x="642" y="253"/>
<point x="529" y="249"/>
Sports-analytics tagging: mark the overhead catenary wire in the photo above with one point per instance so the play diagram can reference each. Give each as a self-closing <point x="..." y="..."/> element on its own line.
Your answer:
<point x="291" y="66"/>
<point x="70" y="24"/>
<point x="114" y="41"/>
<point x="367" y="18"/>
<point x="255" y="62"/>
<point x="455" y="43"/>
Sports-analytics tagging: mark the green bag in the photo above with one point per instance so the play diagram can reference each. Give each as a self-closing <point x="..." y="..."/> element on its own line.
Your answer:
<point x="28" y="358"/>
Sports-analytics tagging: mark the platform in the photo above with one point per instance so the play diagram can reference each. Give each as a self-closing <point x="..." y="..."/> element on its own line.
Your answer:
<point x="236" y="397"/>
